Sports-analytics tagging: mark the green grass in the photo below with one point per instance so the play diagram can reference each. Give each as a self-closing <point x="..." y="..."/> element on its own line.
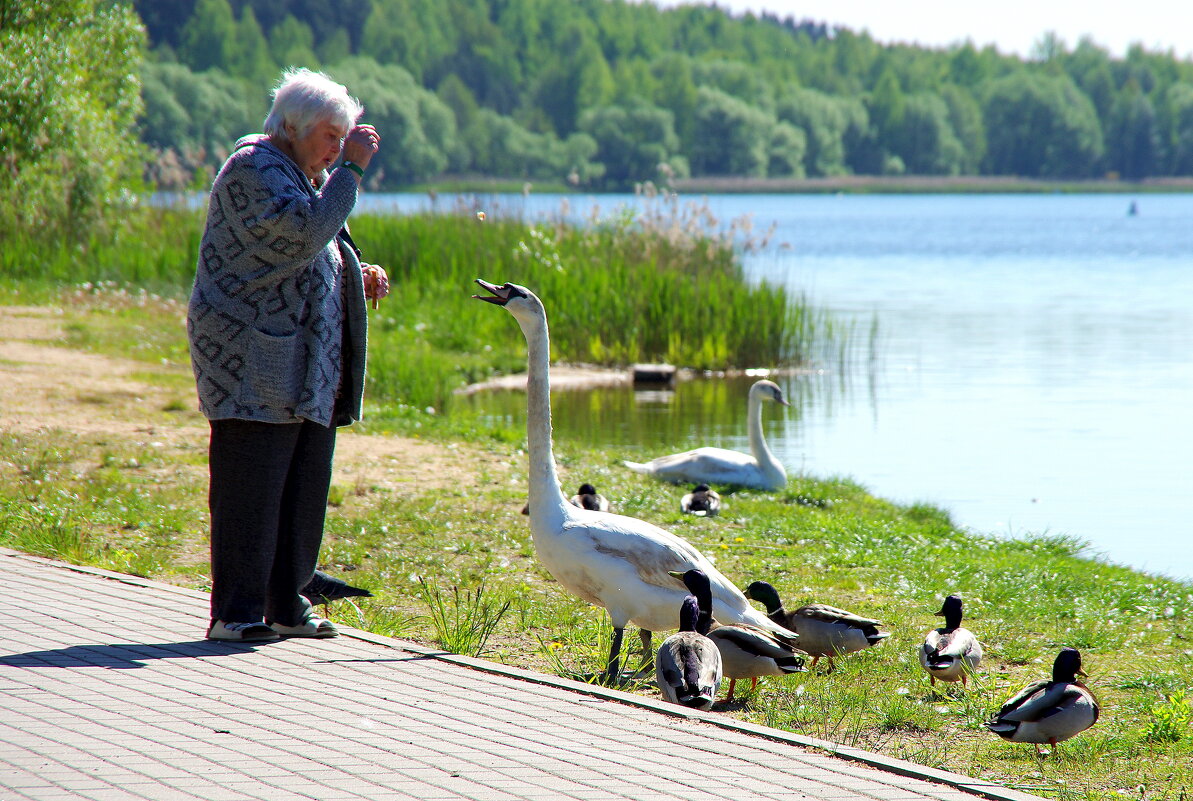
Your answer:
<point x="112" y="505"/>
<point x="135" y="507"/>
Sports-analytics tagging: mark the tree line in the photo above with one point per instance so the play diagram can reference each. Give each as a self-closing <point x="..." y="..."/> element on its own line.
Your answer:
<point x="600" y="94"/>
<point x="605" y="93"/>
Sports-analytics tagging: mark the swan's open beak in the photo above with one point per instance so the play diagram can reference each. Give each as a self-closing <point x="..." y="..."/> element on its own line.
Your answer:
<point x="501" y="294"/>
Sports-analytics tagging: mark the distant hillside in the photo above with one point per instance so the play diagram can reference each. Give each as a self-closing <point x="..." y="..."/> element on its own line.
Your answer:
<point x="605" y="94"/>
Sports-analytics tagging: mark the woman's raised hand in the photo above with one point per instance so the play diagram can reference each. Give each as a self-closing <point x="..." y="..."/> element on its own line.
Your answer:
<point x="360" y="145"/>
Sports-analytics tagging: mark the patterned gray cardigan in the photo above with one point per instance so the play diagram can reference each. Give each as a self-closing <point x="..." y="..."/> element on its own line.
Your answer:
<point x="277" y="313"/>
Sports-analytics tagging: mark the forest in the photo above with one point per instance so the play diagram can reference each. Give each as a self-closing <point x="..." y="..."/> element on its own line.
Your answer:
<point x="596" y="94"/>
<point x="607" y="93"/>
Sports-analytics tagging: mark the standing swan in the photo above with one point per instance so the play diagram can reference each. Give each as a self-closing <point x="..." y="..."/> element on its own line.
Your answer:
<point x="616" y="562"/>
<point x="759" y="469"/>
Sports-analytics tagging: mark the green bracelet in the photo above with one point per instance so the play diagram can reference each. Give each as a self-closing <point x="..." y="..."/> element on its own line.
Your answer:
<point x="356" y="168"/>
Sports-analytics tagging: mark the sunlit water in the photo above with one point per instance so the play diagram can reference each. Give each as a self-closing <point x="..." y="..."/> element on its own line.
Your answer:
<point x="1033" y="370"/>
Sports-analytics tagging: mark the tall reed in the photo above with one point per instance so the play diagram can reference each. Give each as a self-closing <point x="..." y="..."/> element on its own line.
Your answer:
<point x="662" y="286"/>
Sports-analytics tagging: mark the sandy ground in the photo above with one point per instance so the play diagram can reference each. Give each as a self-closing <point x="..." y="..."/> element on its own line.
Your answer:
<point x="45" y="385"/>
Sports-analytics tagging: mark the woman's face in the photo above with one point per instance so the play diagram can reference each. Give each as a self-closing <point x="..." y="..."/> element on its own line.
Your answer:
<point x="319" y="149"/>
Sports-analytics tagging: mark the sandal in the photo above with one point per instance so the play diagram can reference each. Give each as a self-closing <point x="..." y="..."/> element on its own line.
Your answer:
<point x="316" y="627"/>
<point x="242" y="632"/>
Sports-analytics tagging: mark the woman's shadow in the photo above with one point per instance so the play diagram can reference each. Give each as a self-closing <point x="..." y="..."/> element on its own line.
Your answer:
<point x="123" y="656"/>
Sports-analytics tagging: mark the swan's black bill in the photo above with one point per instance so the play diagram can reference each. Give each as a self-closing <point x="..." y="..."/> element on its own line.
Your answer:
<point x="501" y="294"/>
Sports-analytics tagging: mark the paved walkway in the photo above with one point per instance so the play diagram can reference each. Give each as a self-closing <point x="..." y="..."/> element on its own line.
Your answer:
<point x="107" y="692"/>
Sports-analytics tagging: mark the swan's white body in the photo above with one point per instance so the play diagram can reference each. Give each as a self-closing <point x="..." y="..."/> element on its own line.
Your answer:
<point x="619" y="563"/>
<point x="758" y="469"/>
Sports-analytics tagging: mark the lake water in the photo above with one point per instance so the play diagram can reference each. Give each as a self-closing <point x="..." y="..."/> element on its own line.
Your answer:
<point x="1033" y="370"/>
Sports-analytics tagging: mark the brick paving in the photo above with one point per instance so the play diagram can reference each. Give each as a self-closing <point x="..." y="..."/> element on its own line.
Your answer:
<point x="109" y="692"/>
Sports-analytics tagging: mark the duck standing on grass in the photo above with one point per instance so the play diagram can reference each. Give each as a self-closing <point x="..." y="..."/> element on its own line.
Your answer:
<point x="688" y="665"/>
<point x="950" y="653"/>
<point x="758" y="469"/>
<point x="1049" y="711"/>
<point x="701" y="501"/>
<point x="824" y="631"/>
<point x="616" y="562"/>
<point x="747" y="652"/>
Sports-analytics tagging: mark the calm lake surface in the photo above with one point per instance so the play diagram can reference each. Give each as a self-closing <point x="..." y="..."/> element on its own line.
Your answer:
<point x="1032" y="370"/>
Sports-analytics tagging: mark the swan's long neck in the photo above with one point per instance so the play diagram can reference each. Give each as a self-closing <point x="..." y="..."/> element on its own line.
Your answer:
<point x="758" y="447"/>
<point x="545" y="495"/>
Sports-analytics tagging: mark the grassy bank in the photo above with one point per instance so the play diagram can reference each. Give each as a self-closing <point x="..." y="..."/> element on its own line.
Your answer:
<point x="648" y="287"/>
<point x="426" y="513"/>
<point x="443" y="545"/>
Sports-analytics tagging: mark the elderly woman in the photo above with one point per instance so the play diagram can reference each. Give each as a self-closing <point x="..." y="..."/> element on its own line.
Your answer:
<point x="277" y="328"/>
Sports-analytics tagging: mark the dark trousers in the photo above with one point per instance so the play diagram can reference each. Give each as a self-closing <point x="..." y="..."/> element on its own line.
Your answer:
<point x="268" y="500"/>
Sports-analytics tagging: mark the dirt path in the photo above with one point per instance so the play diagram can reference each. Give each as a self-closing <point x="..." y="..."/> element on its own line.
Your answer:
<point x="46" y="386"/>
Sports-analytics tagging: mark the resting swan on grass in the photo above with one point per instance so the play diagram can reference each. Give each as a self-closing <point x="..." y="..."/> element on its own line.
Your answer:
<point x="619" y="563"/>
<point x="758" y="469"/>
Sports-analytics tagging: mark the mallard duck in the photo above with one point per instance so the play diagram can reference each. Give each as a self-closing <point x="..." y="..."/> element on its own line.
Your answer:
<point x="758" y="469"/>
<point x="950" y="653"/>
<point x="324" y="588"/>
<point x="688" y="664"/>
<point x="701" y="501"/>
<point x="1049" y="711"/>
<point x="586" y="498"/>
<point x="616" y="562"/>
<point x="747" y="652"/>
<point x="824" y="631"/>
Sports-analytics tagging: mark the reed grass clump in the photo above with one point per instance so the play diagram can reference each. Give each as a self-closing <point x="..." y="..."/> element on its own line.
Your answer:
<point x="661" y="286"/>
<point x="464" y="620"/>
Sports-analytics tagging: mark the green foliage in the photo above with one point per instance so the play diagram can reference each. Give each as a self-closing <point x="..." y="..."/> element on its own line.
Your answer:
<point x="1171" y="719"/>
<point x="209" y="36"/>
<point x="418" y="129"/>
<point x="524" y="78"/>
<point x="732" y="137"/>
<point x="1041" y="126"/>
<point x="1133" y="136"/>
<point x="671" y="291"/>
<point x="464" y="622"/>
<point x="192" y="120"/>
<point x="68" y="152"/>
<point x="927" y="142"/>
<point x="635" y="142"/>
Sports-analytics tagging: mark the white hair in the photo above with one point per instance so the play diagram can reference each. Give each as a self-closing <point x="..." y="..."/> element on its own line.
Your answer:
<point x="304" y="98"/>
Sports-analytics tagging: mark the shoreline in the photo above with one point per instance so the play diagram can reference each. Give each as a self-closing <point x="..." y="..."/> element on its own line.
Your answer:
<point x="928" y="184"/>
